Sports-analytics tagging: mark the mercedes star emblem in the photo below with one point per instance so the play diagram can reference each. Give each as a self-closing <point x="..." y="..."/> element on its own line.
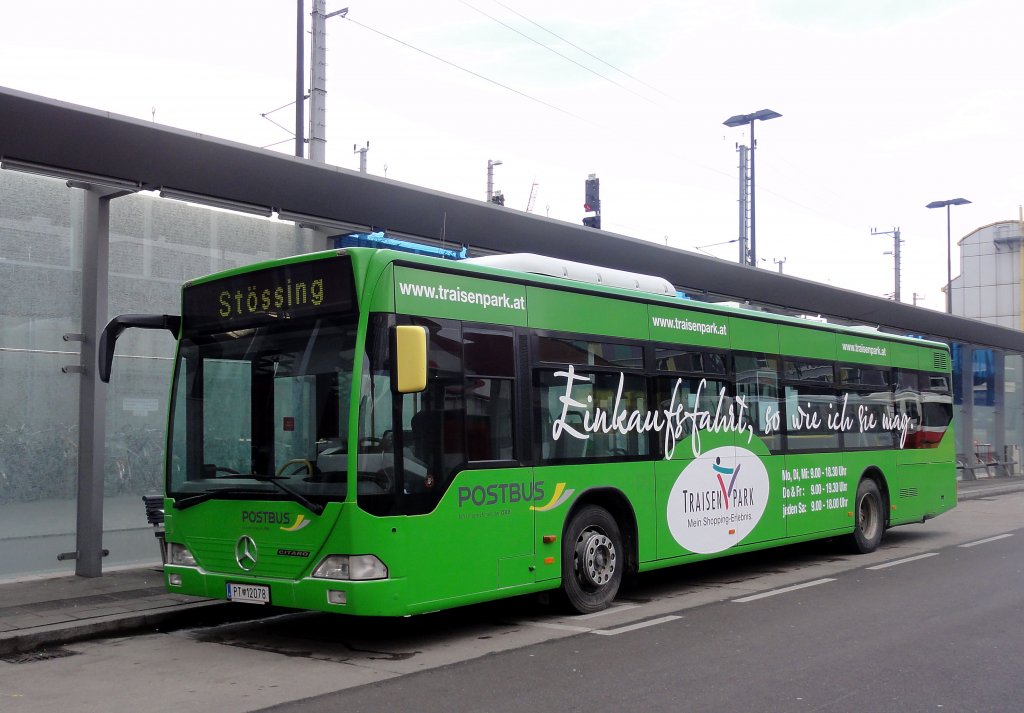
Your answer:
<point x="245" y="553"/>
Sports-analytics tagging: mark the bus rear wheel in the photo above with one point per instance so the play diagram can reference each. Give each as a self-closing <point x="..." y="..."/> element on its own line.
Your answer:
<point x="592" y="560"/>
<point x="869" y="517"/>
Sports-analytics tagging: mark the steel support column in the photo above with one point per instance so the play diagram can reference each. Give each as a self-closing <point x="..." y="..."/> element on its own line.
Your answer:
<point x="964" y="422"/>
<point x="999" y="404"/>
<point x="92" y="393"/>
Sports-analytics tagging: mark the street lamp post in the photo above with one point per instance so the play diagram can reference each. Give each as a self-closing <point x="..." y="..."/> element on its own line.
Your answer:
<point x="749" y="119"/>
<point x="949" y="247"/>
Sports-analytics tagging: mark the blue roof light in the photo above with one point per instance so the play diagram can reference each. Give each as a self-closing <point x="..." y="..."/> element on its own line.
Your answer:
<point x="381" y="240"/>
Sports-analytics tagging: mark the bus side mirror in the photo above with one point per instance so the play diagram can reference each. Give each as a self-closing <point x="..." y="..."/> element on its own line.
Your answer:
<point x="114" y="328"/>
<point x="410" y="359"/>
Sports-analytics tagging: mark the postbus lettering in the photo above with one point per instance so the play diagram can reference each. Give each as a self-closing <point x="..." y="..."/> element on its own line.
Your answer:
<point x="501" y="493"/>
<point x="266" y="517"/>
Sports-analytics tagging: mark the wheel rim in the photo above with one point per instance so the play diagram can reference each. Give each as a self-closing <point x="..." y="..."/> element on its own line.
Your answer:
<point x="595" y="559"/>
<point x="868" y="516"/>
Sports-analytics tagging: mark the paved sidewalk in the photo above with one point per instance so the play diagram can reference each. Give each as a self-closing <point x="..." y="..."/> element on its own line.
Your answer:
<point x="41" y="612"/>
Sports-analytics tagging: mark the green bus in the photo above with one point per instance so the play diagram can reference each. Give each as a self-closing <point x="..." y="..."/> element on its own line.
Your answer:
<point x="380" y="433"/>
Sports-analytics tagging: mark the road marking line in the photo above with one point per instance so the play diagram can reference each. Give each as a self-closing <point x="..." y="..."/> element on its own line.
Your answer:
<point x="904" y="561"/>
<point x="784" y="590"/>
<point x="558" y="627"/>
<point x="609" y="610"/>
<point x="634" y="627"/>
<point x="987" y="540"/>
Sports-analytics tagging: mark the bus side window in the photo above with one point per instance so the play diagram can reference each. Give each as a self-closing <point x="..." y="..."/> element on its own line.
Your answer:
<point x="606" y="381"/>
<point x="489" y="354"/>
<point x="433" y="437"/>
<point x="757" y="383"/>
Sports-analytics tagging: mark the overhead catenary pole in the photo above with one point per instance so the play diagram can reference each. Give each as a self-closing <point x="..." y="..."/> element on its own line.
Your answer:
<point x="300" y="86"/>
<point x="318" y="83"/>
<point x="895" y="252"/>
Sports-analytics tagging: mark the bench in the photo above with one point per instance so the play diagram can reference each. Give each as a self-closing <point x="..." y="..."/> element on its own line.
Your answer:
<point x="155" y="516"/>
<point x="988" y="463"/>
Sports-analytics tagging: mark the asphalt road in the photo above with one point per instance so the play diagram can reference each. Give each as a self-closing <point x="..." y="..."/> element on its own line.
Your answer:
<point x="942" y="632"/>
<point x="925" y="623"/>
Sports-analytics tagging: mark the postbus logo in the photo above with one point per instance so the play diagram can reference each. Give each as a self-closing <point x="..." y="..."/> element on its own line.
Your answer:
<point x="717" y="500"/>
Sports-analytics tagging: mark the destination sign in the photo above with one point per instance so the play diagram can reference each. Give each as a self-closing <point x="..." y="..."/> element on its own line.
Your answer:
<point x="255" y="298"/>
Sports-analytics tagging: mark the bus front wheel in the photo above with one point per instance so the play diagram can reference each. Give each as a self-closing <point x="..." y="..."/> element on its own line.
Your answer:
<point x="592" y="560"/>
<point x="869" y="523"/>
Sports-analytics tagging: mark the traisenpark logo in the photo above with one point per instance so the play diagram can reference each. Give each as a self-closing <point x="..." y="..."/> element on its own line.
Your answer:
<point x="717" y="500"/>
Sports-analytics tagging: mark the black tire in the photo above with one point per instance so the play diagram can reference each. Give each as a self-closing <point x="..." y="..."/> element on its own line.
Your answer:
<point x="869" y="518"/>
<point x="592" y="560"/>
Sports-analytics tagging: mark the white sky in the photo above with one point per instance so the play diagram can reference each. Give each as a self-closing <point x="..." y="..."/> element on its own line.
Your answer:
<point x="887" y="105"/>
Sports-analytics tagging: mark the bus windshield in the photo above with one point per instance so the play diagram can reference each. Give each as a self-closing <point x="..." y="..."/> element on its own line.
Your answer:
<point x="263" y="412"/>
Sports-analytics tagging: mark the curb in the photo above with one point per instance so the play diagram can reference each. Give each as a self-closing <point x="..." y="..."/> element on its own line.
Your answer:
<point x="211" y="612"/>
<point x="978" y="493"/>
<point x="172" y="616"/>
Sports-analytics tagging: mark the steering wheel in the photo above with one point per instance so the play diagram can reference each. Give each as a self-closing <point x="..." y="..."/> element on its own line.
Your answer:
<point x="382" y="479"/>
<point x="369" y="443"/>
<point x="295" y="461"/>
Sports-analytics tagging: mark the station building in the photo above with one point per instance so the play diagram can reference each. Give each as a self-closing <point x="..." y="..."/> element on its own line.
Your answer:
<point x="85" y="236"/>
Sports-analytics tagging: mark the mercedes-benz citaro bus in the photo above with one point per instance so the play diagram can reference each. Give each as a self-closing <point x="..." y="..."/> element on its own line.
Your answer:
<point x="379" y="433"/>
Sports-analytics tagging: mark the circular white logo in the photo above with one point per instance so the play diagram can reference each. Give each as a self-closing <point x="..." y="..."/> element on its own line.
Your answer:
<point x="717" y="500"/>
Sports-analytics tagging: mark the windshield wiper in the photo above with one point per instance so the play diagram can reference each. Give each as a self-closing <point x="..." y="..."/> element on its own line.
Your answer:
<point x="186" y="503"/>
<point x="298" y="497"/>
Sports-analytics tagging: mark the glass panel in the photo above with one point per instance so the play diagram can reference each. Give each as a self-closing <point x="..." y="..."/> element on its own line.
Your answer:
<point x="692" y="361"/>
<point x="226" y="399"/>
<point x="807" y="370"/>
<point x="429" y="434"/>
<point x="859" y="375"/>
<point x="488" y="352"/>
<point x="580" y="351"/>
<point x="807" y="412"/>
<point x="757" y="383"/>
<point x="444" y="346"/>
<point x="569" y="432"/>
<point x="694" y="394"/>
<point x="40" y="300"/>
<point x="924" y="405"/>
<point x="871" y="415"/>
<point x="489" y="419"/>
<point x="264" y="402"/>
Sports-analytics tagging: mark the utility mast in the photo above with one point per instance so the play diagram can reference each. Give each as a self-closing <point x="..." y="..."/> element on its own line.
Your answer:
<point x="744" y="205"/>
<point x="532" y="198"/>
<point x="318" y="83"/>
<point x="318" y="80"/>
<point x="895" y="252"/>
<point x="362" y="155"/>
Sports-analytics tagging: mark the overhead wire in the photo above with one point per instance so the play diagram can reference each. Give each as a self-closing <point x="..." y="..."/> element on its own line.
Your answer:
<point x="467" y="71"/>
<point x="571" y="44"/>
<point x="553" y="106"/>
<point x="554" y="51"/>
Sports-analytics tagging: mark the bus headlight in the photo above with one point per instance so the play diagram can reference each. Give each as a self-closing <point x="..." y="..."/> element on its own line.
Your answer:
<point x="351" y="567"/>
<point x="179" y="555"/>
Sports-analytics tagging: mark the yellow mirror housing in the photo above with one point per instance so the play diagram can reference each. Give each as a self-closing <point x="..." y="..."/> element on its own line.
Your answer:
<point x="410" y="359"/>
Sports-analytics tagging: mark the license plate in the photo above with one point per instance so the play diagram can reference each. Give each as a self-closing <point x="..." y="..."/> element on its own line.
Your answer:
<point x="249" y="593"/>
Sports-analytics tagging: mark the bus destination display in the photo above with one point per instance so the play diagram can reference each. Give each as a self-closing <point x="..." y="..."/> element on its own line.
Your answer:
<point x="287" y="292"/>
